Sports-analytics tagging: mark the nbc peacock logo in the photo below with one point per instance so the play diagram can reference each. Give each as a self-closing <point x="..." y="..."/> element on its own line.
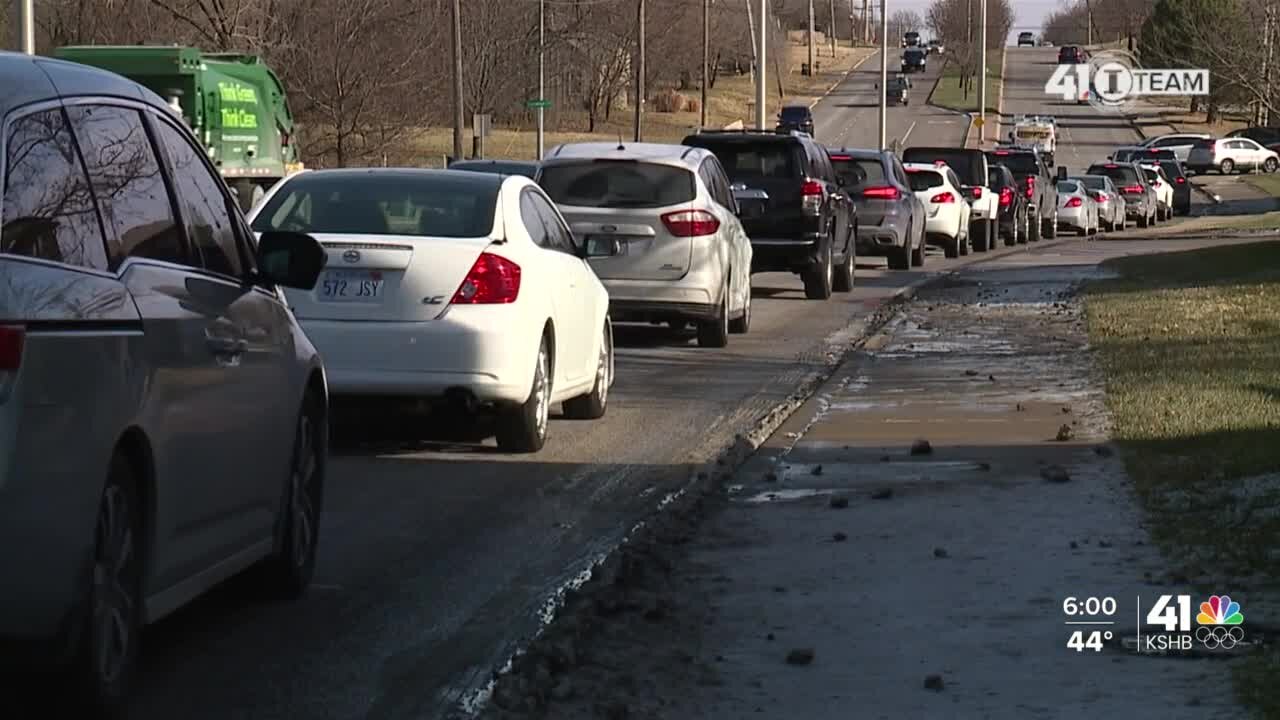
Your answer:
<point x="1220" y="619"/>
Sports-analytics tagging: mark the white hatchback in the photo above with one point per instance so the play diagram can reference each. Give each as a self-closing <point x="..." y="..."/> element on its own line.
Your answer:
<point x="454" y="286"/>
<point x="946" y="211"/>
<point x="1156" y="178"/>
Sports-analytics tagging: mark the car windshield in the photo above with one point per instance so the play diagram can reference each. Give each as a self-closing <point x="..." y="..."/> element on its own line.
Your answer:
<point x="757" y="161"/>
<point x="924" y="179"/>
<point x="795" y="112"/>
<point x="440" y="204"/>
<point x="859" y="171"/>
<point x="617" y="184"/>
<point x="1018" y="163"/>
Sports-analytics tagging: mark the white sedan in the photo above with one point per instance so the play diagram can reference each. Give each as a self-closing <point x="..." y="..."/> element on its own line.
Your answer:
<point x="946" y="211"/>
<point x="449" y="285"/>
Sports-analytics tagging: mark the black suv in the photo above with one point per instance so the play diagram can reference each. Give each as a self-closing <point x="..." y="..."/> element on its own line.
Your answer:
<point x="911" y="39"/>
<point x="1015" y="222"/>
<point x="796" y="117"/>
<point x="792" y="205"/>
<point x="1070" y="54"/>
<point x="1036" y="183"/>
<point x="914" y="60"/>
<point x="1026" y="38"/>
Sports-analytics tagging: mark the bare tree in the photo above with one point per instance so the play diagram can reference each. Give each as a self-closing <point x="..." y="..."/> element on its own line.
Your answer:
<point x="904" y="21"/>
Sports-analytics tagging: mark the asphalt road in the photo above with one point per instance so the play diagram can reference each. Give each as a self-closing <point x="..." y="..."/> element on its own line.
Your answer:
<point x="437" y="558"/>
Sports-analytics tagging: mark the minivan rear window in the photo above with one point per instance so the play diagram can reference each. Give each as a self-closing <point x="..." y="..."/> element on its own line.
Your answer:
<point x="439" y="205"/>
<point x="617" y="184"/>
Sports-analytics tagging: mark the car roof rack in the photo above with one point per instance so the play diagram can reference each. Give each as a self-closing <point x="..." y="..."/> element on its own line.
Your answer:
<point x="751" y="131"/>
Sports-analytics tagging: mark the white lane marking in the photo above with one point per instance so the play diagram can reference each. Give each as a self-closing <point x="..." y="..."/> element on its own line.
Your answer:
<point x="908" y="132"/>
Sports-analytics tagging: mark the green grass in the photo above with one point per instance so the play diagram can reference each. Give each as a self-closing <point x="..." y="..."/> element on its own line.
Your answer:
<point x="1189" y="344"/>
<point x="949" y="94"/>
<point x="1269" y="184"/>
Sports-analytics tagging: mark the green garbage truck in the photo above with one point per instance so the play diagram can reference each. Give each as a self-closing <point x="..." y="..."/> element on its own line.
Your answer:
<point x="234" y="103"/>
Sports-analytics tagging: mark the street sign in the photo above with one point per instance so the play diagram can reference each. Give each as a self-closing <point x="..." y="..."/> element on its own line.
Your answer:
<point x="532" y="104"/>
<point x="979" y="121"/>
<point x="480" y="125"/>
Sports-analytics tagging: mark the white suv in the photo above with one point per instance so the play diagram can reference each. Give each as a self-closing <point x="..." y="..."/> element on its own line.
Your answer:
<point x="946" y="212"/>
<point x="683" y="253"/>
<point x="1228" y="155"/>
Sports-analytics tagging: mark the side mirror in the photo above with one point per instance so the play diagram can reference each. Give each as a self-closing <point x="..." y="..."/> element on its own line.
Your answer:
<point x="291" y="259"/>
<point x="602" y="247"/>
<point x="1062" y="172"/>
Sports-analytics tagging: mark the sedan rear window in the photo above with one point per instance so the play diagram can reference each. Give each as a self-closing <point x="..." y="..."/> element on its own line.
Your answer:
<point x="435" y="205"/>
<point x="923" y="179"/>
<point x="617" y="184"/>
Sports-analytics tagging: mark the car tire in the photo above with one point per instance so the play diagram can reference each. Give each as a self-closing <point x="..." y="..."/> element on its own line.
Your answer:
<point x="1050" y="230"/>
<point x="1144" y="221"/>
<point x="1226" y="167"/>
<point x="993" y="230"/>
<point x="1035" y="227"/>
<point x="742" y="324"/>
<point x="818" y="279"/>
<point x="523" y="428"/>
<point x="1012" y="238"/>
<point x="978" y="234"/>
<point x="952" y="247"/>
<point x="918" y="253"/>
<point x="964" y="243"/>
<point x="843" y="278"/>
<point x="1024" y="234"/>
<point x="593" y="405"/>
<point x="101" y="678"/>
<point x="1270" y="165"/>
<point x="287" y="573"/>
<point x="714" y="333"/>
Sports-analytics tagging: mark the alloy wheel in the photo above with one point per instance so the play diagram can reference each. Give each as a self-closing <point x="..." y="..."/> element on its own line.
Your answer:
<point x="301" y="494"/>
<point x="114" y="605"/>
<point x="605" y="371"/>
<point x="542" y="398"/>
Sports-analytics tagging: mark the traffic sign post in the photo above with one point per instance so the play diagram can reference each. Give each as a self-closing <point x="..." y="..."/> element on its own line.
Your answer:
<point x="536" y="104"/>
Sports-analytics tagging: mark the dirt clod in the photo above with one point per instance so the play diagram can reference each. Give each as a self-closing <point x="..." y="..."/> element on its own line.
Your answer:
<point x="971" y="373"/>
<point x="940" y="552"/>
<point x="984" y="466"/>
<point x="921" y="447"/>
<point x="1055" y="474"/>
<point x="800" y="656"/>
<point x="1065" y="433"/>
<point x="817" y="470"/>
<point x="934" y="683"/>
<point x="882" y="493"/>
<point x="839" y="502"/>
<point x="992" y="378"/>
<point x="1075" y="545"/>
<point x="839" y="537"/>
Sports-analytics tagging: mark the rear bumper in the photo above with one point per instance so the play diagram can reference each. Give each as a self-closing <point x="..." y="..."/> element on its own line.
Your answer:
<point x="785" y="254"/>
<point x="696" y="296"/>
<point x="1072" y="217"/>
<point x="943" y="224"/>
<point x="487" y="351"/>
<point x="878" y="239"/>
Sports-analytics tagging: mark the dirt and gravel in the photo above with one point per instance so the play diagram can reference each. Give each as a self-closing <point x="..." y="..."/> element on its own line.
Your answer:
<point x="900" y="547"/>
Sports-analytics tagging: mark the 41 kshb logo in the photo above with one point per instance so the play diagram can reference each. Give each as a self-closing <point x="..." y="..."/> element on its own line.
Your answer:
<point x="1218" y="626"/>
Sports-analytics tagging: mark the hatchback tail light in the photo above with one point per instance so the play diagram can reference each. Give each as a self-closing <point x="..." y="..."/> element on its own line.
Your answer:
<point x="1075" y="202"/>
<point x="1131" y="189"/>
<point x="887" y="192"/>
<point x="691" y="223"/>
<point x="811" y="197"/>
<point x="1006" y="196"/>
<point x="493" y="280"/>
<point x="943" y="197"/>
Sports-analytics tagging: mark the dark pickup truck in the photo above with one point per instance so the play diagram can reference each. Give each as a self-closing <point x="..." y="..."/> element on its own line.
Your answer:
<point x="1036" y="183"/>
<point x="792" y="206"/>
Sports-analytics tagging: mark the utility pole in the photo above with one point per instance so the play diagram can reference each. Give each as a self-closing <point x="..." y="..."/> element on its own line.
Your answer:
<point x="832" y="29"/>
<point x="866" y="21"/>
<point x="457" y="80"/>
<point x="982" y="72"/>
<point x="706" y="57"/>
<point x="810" y="37"/>
<point x="762" y="41"/>
<point x="968" y="22"/>
<point x="884" y="69"/>
<point x="27" y="26"/>
<point x="751" y="30"/>
<point x="640" y="71"/>
<point x="542" y="75"/>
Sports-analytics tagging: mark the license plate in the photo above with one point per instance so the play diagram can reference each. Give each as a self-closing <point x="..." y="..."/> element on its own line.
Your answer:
<point x="622" y="242"/>
<point x="351" y="286"/>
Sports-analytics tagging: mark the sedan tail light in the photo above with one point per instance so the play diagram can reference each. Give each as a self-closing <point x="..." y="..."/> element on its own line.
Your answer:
<point x="1075" y="202"/>
<point x="1101" y="197"/>
<point x="811" y="197"/>
<point x="887" y="192"/>
<point x="1006" y="196"/>
<point x="943" y="197"/>
<point x="493" y="280"/>
<point x="691" y="223"/>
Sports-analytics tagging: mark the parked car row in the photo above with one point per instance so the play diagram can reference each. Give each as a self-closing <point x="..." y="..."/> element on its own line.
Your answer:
<point x="1245" y="150"/>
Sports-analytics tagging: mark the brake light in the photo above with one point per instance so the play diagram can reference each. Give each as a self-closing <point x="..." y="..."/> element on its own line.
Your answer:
<point x="1002" y="152"/>
<point x="1110" y="165"/>
<point x="1131" y="189"/>
<point x="887" y="192"/>
<point x="1074" y="202"/>
<point x="977" y="192"/>
<point x="1006" y="196"/>
<point x="943" y="197"/>
<point x="493" y="280"/>
<point x="1101" y="196"/>
<point x="690" y="223"/>
<point x="12" y="340"/>
<point x="1180" y="180"/>
<point x="811" y="197"/>
<point x="841" y="158"/>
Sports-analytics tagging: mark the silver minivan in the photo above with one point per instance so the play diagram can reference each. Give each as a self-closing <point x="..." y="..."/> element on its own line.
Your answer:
<point x="682" y="253"/>
<point x="162" y="415"/>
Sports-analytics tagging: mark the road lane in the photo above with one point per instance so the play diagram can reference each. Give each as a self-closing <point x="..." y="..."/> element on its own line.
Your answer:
<point x="437" y="558"/>
<point x="850" y="117"/>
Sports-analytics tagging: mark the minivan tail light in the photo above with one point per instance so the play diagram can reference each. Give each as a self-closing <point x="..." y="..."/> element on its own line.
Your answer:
<point x="12" y="339"/>
<point x="690" y="223"/>
<point x="885" y="192"/>
<point x="1075" y="202"/>
<point x="493" y="280"/>
<point x="943" y="197"/>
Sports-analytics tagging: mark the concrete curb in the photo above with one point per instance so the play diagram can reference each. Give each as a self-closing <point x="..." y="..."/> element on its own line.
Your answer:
<point x="1137" y="127"/>
<point x="523" y="687"/>
<point x="841" y="81"/>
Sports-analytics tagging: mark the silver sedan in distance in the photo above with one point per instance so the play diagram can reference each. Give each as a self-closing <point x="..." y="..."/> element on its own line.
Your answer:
<point x="163" y="419"/>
